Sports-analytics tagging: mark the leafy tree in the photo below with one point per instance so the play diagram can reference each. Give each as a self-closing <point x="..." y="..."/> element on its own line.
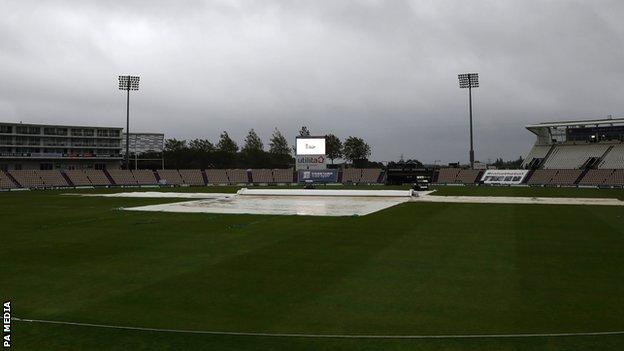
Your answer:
<point x="513" y="164"/>
<point x="252" y="154"/>
<point x="253" y="143"/>
<point x="226" y="144"/>
<point x="355" y="149"/>
<point x="333" y="147"/>
<point x="280" y="154"/>
<point x="304" y="131"/>
<point x="201" y="145"/>
<point x="172" y="145"/>
<point x="278" y="144"/>
<point x="174" y="152"/>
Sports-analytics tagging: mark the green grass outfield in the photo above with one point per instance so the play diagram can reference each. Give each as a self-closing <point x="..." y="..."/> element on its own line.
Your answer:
<point x="417" y="268"/>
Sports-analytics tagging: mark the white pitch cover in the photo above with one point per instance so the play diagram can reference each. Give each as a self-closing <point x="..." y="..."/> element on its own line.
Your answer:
<point x="323" y="192"/>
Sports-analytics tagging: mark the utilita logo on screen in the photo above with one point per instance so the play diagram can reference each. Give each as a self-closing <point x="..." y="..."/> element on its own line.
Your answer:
<point x="311" y="159"/>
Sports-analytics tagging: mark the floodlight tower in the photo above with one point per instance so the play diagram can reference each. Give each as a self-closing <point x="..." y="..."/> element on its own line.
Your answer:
<point x="128" y="83"/>
<point x="469" y="80"/>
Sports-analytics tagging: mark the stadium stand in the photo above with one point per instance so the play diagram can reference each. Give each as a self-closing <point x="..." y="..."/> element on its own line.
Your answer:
<point x="457" y="175"/>
<point x="370" y="175"/>
<point x="97" y="177"/>
<point x="122" y="177"/>
<point x="283" y="175"/>
<point x="237" y="176"/>
<point x="542" y="176"/>
<point x="52" y="178"/>
<point x="566" y="176"/>
<point x="447" y="175"/>
<point x="28" y="178"/>
<point x="6" y="182"/>
<point x="536" y="155"/>
<point x="171" y="176"/>
<point x="554" y="177"/>
<point x="192" y="176"/>
<point x="614" y="159"/>
<point x="584" y="152"/>
<point x="262" y="175"/>
<point x="467" y="176"/>
<point x="78" y="177"/>
<point x="144" y="177"/>
<point x="616" y="178"/>
<point x="596" y="177"/>
<point x="217" y="176"/>
<point x="351" y="175"/>
<point x="574" y="156"/>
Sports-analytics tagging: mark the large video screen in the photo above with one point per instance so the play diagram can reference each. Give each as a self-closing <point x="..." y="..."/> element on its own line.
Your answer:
<point x="310" y="146"/>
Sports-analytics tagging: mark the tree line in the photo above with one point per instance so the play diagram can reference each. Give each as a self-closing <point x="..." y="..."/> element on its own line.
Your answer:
<point x="226" y="153"/>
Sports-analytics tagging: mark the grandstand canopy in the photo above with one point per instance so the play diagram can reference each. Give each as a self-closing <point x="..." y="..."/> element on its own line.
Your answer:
<point x="581" y="130"/>
<point x="589" y="123"/>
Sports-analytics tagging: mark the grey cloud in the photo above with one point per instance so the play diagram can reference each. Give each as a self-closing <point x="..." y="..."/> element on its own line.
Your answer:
<point x="383" y="70"/>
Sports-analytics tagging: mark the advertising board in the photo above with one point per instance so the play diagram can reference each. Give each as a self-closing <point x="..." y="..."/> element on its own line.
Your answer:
<point x="504" y="176"/>
<point x="318" y="176"/>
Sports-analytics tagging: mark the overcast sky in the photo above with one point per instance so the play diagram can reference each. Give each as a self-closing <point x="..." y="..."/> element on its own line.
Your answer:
<point x="382" y="70"/>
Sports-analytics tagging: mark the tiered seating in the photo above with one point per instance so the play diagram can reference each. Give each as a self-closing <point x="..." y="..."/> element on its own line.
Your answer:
<point x="467" y="176"/>
<point x="283" y="175"/>
<point x="542" y="176"/>
<point x="554" y="176"/>
<point x="192" y="176"/>
<point x="614" y="159"/>
<point x="6" y="182"/>
<point x="122" y="177"/>
<point x="596" y="177"/>
<point x="573" y="156"/>
<point x="97" y="177"/>
<point x="538" y="151"/>
<point x="457" y="175"/>
<point x="217" y="176"/>
<point x="172" y="176"/>
<point x="78" y="177"/>
<point x="351" y="175"/>
<point x="616" y="178"/>
<point x="262" y="175"/>
<point x="237" y="176"/>
<point x="52" y="178"/>
<point x="566" y="176"/>
<point x="28" y="178"/>
<point x="447" y="175"/>
<point x="370" y="175"/>
<point x="144" y="177"/>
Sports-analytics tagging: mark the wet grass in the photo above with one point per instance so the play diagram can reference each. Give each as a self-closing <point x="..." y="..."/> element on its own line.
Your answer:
<point x="417" y="268"/>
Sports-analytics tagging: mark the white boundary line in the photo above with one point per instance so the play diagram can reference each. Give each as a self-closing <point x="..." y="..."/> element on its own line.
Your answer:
<point x="326" y="336"/>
